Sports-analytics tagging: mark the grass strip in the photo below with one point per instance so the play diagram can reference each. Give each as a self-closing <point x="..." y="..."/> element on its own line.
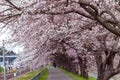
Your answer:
<point x="76" y="76"/>
<point x="44" y="75"/>
<point x="28" y="75"/>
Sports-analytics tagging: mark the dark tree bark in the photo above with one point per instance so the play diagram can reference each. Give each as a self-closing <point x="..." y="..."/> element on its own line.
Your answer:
<point x="83" y="67"/>
<point x="106" y="68"/>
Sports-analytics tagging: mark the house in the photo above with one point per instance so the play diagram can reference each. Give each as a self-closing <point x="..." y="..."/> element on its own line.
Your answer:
<point x="10" y="56"/>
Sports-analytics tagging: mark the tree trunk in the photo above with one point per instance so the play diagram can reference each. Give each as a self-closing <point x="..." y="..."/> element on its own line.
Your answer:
<point x="105" y="68"/>
<point x="83" y="67"/>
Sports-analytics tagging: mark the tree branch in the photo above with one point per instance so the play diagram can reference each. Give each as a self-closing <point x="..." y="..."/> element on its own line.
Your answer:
<point x="108" y="26"/>
<point x="13" y="5"/>
<point x="89" y="8"/>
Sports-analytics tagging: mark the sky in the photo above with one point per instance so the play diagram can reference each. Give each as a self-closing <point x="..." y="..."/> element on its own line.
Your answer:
<point x="5" y="35"/>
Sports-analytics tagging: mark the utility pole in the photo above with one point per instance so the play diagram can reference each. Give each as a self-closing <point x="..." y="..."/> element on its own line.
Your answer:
<point x="4" y="61"/>
<point x="31" y="66"/>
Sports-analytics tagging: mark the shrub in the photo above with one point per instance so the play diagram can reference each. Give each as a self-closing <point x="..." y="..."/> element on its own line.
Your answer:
<point x="1" y="69"/>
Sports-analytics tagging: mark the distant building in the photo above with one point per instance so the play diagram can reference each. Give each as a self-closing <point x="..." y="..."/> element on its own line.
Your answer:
<point x="10" y="56"/>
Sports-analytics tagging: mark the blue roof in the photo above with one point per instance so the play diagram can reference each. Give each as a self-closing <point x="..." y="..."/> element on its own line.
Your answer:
<point x="9" y="53"/>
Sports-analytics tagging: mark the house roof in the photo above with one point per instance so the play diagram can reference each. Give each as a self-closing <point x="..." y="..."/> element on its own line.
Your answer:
<point x="10" y="53"/>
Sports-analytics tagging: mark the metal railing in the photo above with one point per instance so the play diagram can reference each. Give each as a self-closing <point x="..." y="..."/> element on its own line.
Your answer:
<point x="36" y="77"/>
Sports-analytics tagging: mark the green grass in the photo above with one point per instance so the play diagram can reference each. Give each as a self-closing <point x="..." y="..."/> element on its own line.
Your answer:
<point x="91" y="78"/>
<point x="76" y="76"/>
<point x="28" y="75"/>
<point x="44" y="75"/>
<point x="1" y="69"/>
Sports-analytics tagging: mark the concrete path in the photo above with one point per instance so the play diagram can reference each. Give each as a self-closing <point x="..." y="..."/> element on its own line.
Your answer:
<point x="55" y="74"/>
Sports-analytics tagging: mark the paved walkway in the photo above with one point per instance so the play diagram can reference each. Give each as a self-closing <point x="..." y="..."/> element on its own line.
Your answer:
<point x="55" y="74"/>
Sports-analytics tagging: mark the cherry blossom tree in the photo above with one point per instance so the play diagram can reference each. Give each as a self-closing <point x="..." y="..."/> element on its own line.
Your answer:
<point x="105" y="54"/>
<point x="75" y="24"/>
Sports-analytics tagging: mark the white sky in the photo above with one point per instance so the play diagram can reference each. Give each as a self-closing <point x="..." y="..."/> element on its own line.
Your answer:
<point x="5" y="35"/>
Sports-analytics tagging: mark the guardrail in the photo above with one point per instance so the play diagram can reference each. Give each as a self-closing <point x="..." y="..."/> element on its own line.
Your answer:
<point x="36" y="77"/>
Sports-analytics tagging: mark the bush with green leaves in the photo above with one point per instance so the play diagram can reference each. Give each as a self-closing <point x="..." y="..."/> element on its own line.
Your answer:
<point x="1" y="69"/>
